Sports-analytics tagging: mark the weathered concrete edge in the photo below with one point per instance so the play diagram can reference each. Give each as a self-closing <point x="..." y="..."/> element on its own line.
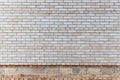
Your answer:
<point x="59" y="70"/>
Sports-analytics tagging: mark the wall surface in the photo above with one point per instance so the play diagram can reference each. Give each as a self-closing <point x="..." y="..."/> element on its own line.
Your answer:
<point x="59" y="32"/>
<point x="59" y="72"/>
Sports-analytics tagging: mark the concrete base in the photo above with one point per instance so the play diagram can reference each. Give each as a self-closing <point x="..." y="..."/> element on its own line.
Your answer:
<point x="77" y="72"/>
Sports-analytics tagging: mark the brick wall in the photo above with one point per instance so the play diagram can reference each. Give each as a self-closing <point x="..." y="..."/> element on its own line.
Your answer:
<point x="59" y="32"/>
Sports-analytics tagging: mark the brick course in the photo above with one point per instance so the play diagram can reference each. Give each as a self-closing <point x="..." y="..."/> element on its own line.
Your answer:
<point x="59" y="32"/>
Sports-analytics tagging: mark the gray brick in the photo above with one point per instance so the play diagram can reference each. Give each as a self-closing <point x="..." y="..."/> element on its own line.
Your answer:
<point x="62" y="32"/>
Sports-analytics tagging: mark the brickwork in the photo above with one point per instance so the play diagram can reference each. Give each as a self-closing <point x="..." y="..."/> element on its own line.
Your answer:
<point x="59" y="32"/>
